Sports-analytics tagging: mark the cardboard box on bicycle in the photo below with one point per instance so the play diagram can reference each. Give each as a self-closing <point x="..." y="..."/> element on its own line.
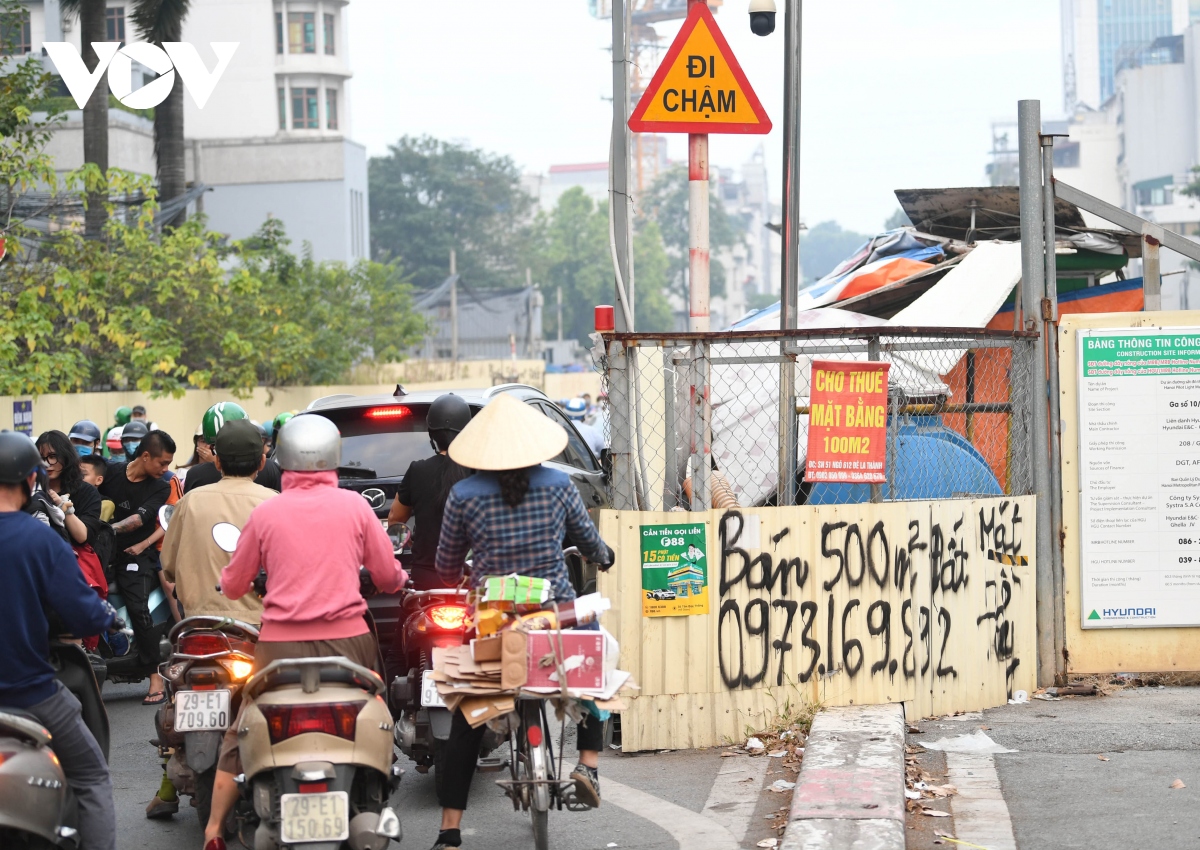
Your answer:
<point x="511" y="649"/>
<point x="528" y="660"/>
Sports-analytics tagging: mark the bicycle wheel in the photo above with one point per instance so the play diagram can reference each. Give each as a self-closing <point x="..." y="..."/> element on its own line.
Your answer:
<point x="541" y="830"/>
<point x="540" y="772"/>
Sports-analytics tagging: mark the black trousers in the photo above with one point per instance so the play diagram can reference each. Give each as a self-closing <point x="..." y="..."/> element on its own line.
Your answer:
<point x="456" y="761"/>
<point x="136" y="585"/>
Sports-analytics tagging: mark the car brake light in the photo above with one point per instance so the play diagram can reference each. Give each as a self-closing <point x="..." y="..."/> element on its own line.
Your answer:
<point x="535" y="736"/>
<point x="391" y="412"/>
<point x="330" y="718"/>
<point x="448" y="616"/>
<point x="203" y="643"/>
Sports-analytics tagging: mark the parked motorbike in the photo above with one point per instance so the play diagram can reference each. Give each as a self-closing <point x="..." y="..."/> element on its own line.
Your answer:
<point x="37" y="808"/>
<point x="316" y="750"/>
<point x="211" y="659"/>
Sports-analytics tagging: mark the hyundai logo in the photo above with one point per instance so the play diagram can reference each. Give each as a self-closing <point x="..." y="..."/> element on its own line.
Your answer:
<point x="375" y="497"/>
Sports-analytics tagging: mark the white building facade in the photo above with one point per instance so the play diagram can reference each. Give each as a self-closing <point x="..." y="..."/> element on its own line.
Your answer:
<point x="273" y="140"/>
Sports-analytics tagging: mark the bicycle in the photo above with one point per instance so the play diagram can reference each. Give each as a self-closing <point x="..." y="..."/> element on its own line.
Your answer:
<point x="536" y="786"/>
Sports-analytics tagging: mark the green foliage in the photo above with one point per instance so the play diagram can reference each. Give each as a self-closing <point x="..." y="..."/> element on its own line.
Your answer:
<point x="897" y="219"/>
<point x="575" y="254"/>
<point x="667" y="204"/>
<point x="825" y="245"/>
<point x="430" y="196"/>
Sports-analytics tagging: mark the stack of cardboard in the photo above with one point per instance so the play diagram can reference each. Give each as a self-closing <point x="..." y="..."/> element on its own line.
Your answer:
<point x="485" y="678"/>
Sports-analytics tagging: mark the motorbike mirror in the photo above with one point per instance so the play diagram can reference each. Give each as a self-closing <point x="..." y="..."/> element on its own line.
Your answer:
<point x="164" y="650"/>
<point x="226" y="535"/>
<point x="164" y="515"/>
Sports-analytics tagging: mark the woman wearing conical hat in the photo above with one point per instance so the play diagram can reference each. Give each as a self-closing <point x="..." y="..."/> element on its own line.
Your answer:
<point x="513" y="516"/>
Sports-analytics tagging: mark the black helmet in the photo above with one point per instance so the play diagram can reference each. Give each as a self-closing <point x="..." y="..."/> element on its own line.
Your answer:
<point x="19" y="457"/>
<point x="448" y="413"/>
<point x="85" y="430"/>
<point x="131" y="436"/>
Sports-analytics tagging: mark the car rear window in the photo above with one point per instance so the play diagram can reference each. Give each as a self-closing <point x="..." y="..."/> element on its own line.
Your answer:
<point x="380" y="442"/>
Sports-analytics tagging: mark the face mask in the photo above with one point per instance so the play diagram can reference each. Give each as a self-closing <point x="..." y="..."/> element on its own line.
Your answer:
<point x="129" y="452"/>
<point x="83" y="451"/>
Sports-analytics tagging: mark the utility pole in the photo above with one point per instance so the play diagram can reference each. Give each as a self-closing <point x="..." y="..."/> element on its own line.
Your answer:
<point x="789" y="277"/>
<point x="619" y="202"/>
<point x="1033" y="287"/>
<point x="453" y="306"/>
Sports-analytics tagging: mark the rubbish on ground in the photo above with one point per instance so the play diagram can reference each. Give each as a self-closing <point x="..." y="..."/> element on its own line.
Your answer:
<point x="1102" y="758"/>
<point x="969" y="715"/>
<point x="781" y="786"/>
<point x="768" y="842"/>
<point x="935" y="813"/>
<point x="913" y="729"/>
<point x="611" y="844"/>
<point x="1178" y="783"/>
<point x="755" y="744"/>
<point x="912" y="795"/>
<point x="977" y="742"/>
<point x="1019" y="698"/>
<point x="943" y="790"/>
<point x="728" y="755"/>
<point x="1046" y="697"/>
<point x="778" y="754"/>
<point x="1073" y="690"/>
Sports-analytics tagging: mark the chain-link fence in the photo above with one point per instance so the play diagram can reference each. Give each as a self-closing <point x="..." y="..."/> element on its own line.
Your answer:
<point x="697" y="418"/>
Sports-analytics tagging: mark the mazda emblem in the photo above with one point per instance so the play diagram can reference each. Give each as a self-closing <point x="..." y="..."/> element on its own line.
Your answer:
<point x="375" y="497"/>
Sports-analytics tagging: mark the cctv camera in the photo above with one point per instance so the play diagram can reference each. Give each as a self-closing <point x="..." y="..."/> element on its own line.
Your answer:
<point x="762" y="17"/>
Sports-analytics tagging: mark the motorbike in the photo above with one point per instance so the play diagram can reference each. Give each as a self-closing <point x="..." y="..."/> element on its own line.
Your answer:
<point x="316" y="750"/>
<point x="37" y="808"/>
<point x="211" y="659"/>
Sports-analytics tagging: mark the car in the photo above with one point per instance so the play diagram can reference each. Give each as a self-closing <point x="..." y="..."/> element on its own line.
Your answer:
<point x="660" y="595"/>
<point x="383" y="434"/>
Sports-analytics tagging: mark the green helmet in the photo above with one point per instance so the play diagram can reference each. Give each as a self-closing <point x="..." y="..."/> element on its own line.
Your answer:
<point x="218" y="415"/>
<point x="277" y="423"/>
<point x="124" y="414"/>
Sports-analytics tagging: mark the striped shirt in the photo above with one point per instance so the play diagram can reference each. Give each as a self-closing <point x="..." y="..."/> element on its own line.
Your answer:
<point x="526" y="540"/>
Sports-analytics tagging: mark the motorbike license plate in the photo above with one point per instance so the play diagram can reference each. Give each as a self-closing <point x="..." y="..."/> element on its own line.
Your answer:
<point x="314" y="817"/>
<point x="430" y="698"/>
<point x="202" y="711"/>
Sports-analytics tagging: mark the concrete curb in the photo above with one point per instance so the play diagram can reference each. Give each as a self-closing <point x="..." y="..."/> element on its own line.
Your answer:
<point x="850" y="791"/>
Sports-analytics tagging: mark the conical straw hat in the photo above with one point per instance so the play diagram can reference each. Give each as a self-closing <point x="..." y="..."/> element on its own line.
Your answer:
<point x="507" y="434"/>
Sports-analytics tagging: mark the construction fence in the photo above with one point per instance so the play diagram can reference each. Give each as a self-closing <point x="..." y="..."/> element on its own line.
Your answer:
<point x="721" y="419"/>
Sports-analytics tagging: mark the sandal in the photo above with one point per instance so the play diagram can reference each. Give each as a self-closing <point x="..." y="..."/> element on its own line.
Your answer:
<point x="156" y="698"/>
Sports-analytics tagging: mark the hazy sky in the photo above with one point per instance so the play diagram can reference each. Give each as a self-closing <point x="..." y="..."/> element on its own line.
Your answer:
<point x="895" y="94"/>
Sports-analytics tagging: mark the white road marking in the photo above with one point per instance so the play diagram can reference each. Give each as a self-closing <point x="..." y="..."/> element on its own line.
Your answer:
<point x="736" y="792"/>
<point x="690" y="831"/>
<point x="980" y="813"/>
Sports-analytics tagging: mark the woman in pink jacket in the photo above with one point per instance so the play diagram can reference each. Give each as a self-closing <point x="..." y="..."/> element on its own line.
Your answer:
<point x="311" y="541"/>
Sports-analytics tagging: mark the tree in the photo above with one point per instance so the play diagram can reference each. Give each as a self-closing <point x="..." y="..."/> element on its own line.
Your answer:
<point x="92" y="29"/>
<point x="897" y="219"/>
<point x="666" y="203"/>
<point x="159" y="21"/>
<point x="824" y="246"/>
<point x="430" y="196"/>
<point x="575" y="254"/>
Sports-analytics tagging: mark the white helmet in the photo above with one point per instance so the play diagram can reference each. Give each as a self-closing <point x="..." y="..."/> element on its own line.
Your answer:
<point x="309" y="443"/>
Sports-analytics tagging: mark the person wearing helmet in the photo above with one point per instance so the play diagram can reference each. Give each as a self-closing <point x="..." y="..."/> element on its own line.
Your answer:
<point x="40" y="574"/>
<point x="425" y="486"/>
<point x="121" y="419"/>
<point x="311" y="541"/>
<point x="278" y="422"/>
<point x="577" y="410"/>
<point x="132" y="434"/>
<point x="85" y="436"/>
<point x="512" y="515"/>
<point x="203" y="474"/>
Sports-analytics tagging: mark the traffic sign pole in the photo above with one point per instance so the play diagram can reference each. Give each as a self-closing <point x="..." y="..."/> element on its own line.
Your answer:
<point x="698" y="259"/>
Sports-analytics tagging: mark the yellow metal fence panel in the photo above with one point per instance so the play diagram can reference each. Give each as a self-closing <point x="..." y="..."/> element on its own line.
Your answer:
<point x="926" y="603"/>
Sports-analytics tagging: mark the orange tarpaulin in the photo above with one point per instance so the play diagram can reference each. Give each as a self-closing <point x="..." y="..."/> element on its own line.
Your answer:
<point x="889" y="272"/>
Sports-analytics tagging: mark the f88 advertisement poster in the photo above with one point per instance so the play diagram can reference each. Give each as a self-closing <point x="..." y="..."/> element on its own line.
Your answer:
<point x="847" y="422"/>
<point x="674" y="569"/>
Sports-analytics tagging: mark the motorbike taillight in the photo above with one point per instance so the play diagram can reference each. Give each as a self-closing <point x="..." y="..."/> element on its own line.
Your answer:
<point x="331" y="718"/>
<point x="202" y="643"/>
<point x="448" y="616"/>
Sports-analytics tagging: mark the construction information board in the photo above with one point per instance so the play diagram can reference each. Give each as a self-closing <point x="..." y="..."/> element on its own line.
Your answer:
<point x="1139" y="475"/>
<point x="674" y="569"/>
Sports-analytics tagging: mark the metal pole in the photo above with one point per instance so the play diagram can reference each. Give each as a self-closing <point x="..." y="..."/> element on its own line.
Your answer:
<point x="453" y="307"/>
<point x="1033" y="283"/>
<point x="698" y="262"/>
<point x="873" y="355"/>
<point x="1050" y="333"/>
<point x="789" y="283"/>
<point x="701" y="427"/>
<point x="619" y="200"/>
<point x="1151" y="276"/>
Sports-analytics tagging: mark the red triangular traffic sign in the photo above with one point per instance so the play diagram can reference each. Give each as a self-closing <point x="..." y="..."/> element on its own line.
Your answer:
<point x="699" y="87"/>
